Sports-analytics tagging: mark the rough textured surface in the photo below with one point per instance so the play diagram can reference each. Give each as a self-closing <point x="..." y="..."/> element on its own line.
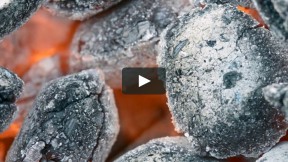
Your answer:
<point x="15" y="14"/>
<point x="74" y="118"/>
<point x="79" y="9"/>
<point x="275" y="14"/>
<point x="172" y="149"/>
<point x="10" y="88"/>
<point x="277" y="154"/>
<point x="245" y="3"/>
<point x="127" y="37"/>
<point x="216" y="65"/>
<point x="277" y="95"/>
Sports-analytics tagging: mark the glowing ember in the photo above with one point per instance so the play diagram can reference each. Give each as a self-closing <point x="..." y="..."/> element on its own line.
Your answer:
<point x="254" y="13"/>
<point x="142" y="117"/>
<point x="43" y="36"/>
<point x="47" y="38"/>
<point x="7" y="137"/>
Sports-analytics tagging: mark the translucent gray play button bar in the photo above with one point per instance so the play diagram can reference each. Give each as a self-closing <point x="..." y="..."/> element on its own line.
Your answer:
<point x="143" y="80"/>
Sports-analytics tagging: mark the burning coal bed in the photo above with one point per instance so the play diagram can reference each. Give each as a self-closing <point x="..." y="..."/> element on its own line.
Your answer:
<point x="227" y="80"/>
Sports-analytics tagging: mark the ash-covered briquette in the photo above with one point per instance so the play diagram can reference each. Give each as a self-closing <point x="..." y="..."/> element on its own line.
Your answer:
<point x="127" y="37"/>
<point x="173" y="149"/>
<point x="79" y="9"/>
<point x="244" y="3"/>
<point x="277" y="154"/>
<point x="74" y="118"/>
<point x="275" y="14"/>
<point x="10" y="88"/>
<point x="217" y="64"/>
<point x="14" y="13"/>
<point x="277" y="95"/>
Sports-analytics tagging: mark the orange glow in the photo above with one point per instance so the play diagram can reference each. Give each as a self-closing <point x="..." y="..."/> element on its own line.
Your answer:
<point x="142" y="118"/>
<point x="7" y="137"/>
<point x="253" y="13"/>
<point x="139" y="112"/>
<point x="44" y="36"/>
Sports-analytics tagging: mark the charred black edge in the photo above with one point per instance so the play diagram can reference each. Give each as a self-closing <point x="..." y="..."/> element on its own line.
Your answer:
<point x="267" y="10"/>
<point x="18" y="83"/>
<point x="17" y="20"/>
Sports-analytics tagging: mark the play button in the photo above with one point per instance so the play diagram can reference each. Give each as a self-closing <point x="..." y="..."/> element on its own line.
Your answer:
<point x="142" y="81"/>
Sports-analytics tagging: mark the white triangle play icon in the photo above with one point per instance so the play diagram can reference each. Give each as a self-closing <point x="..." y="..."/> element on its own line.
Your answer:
<point x="142" y="81"/>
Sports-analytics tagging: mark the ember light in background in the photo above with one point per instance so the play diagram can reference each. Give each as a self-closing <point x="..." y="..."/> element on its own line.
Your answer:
<point x="111" y="35"/>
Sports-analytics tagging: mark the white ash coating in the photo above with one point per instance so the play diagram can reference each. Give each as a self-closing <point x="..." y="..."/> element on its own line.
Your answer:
<point x="275" y="14"/>
<point x="74" y="118"/>
<point x="4" y="3"/>
<point x="216" y="64"/>
<point x="127" y="37"/>
<point x="10" y="88"/>
<point x="279" y="153"/>
<point x="172" y="149"/>
<point x="15" y="14"/>
<point x="79" y="9"/>
<point x="277" y="95"/>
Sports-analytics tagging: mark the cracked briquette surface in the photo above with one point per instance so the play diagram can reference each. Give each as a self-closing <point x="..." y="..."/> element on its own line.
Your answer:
<point x="15" y="14"/>
<point x="126" y="37"/>
<point x="79" y="9"/>
<point x="10" y="88"/>
<point x="277" y="95"/>
<point x="279" y="153"/>
<point x="275" y="14"/>
<point x="172" y="149"/>
<point x="74" y="118"/>
<point x="215" y="80"/>
<point x="245" y="3"/>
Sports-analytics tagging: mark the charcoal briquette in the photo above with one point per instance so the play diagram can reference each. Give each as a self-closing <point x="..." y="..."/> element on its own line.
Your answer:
<point x="174" y="149"/>
<point x="275" y="14"/>
<point x="279" y="153"/>
<point x="10" y="88"/>
<point x="79" y="9"/>
<point x="277" y="96"/>
<point x="127" y="37"/>
<point x="74" y="118"/>
<point x="14" y="13"/>
<point x="217" y="99"/>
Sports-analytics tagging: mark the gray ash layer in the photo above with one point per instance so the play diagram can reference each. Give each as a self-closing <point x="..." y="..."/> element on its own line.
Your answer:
<point x="277" y="95"/>
<point x="245" y="3"/>
<point x="217" y="64"/>
<point x="79" y="9"/>
<point x="277" y="154"/>
<point x="10" y="88"/>
<point x="127" y="37"/>
<point x="74" y="118"/>
<point x="275" y="14"/>
<point x="15" y="14"/>
<point x="173" y="149"/>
